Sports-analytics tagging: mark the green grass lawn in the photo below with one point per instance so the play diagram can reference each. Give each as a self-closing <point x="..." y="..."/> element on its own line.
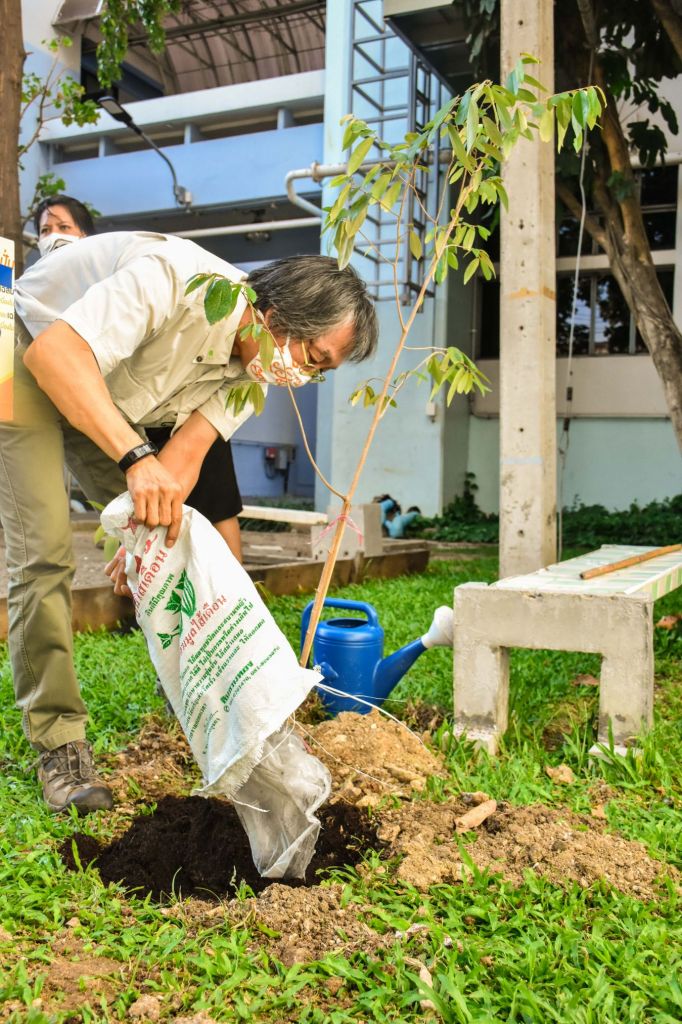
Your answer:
<point x="538" y="952"/>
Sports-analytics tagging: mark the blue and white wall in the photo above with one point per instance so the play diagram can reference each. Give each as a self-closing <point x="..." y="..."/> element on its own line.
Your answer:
<point x="622" y="445"/>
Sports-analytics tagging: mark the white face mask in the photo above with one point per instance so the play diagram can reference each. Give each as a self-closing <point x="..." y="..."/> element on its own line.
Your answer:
<point x="282" y="370"/>
<point x="54" y="241"/>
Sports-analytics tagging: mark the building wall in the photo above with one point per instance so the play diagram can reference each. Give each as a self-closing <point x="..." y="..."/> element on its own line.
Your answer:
<point x="612" y="462"/>
<point x="406" y="458"/>
<point x="37" y="18"/>
<point x="222" y="173"/>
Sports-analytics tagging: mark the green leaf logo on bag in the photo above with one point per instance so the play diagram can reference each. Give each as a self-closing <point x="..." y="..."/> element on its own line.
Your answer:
<point x="183" y="601"/>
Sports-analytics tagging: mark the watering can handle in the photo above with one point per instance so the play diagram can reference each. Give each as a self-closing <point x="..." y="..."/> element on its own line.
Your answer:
<point x="339" y="602"/>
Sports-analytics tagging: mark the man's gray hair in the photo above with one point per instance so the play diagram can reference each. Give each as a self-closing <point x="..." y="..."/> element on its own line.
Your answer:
<point x="309" y="296"/>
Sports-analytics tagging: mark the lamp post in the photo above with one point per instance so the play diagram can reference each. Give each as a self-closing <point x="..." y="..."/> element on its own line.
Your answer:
<point x="183" y="196"/>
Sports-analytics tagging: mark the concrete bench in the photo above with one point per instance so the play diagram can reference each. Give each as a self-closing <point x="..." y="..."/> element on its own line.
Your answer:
<point x="610" y="615"/>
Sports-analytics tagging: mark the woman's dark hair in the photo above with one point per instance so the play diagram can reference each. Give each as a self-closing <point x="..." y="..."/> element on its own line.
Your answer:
<point x="309" y="296"/>
<point x="82" y="217"/>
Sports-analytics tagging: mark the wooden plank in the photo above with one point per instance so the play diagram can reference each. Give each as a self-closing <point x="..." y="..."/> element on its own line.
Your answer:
<point x="92" y="608"/>
<point x="295" y="516"/>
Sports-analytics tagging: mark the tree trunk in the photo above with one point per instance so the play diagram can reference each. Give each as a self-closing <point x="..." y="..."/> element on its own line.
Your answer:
<point x="622" y="235"/>
<point x="11" y="68"/>
<point x="642" y="292"/>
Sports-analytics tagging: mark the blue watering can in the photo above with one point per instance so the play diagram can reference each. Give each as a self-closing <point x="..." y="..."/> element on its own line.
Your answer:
<point x="349" y="652"/>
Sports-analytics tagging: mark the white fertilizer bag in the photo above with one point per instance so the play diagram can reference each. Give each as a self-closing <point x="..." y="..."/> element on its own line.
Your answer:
<point x="232" y="679"/>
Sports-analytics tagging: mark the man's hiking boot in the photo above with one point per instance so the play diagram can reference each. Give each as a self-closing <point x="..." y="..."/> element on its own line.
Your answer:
<point x="69" y="779"/>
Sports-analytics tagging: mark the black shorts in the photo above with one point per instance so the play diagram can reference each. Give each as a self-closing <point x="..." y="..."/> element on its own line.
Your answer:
<point x="216" y="494"/>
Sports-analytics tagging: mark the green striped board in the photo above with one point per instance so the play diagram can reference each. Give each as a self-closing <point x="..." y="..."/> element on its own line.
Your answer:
<point x="656" y="577"/>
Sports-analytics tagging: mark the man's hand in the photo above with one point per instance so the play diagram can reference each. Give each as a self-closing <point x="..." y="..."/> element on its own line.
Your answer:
<point x="116" y="571"/>
<point x="157" y="496"/>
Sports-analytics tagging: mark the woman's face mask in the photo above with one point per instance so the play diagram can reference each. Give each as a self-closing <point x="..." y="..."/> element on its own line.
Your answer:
<point x="54" y="241"/>
<point x="282" y="369"/>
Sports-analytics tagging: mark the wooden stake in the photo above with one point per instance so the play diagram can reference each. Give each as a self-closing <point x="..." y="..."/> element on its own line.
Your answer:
<point x="625" y="563"/>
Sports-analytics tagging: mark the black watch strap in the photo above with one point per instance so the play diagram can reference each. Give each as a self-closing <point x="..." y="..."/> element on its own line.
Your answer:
<point x="135" y="454"/>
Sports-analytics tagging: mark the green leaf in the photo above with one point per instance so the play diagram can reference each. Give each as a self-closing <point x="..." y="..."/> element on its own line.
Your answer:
<point x="380" y="186"/>
<point x="472" y="123"/>
<point x="471" y="270"/>
<point x="266" y="349"/>
<point x="493" y="131"/>
<point x="391" y="197"/>
<point x="196" y="281"/>
<point x="578" y="109"/>
<point x="563" y="118"/>
<point x="349" y="135"/>
<point x="257" y="398"/>
<point x="441" y="268"/>
<point x="469" y="237"/>
<point x="220" y="299"/>
<point x="546" y="127"/>
<point x="459" y="150"/>
<point x="339" y="203"/>
<point x="534" y="82"/>
<point x="416" y="247"/>
<point x="359" y="154"/>
<point x="344" y="249"/>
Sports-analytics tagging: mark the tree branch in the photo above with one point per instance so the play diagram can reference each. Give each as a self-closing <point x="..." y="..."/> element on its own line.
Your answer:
<point x="575" y="206"/>
<point x="671" y="22"/>
<point x="589" y="23"/>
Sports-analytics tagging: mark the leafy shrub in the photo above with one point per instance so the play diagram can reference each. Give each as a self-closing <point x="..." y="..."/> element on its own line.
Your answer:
<point x="586" y="526"/>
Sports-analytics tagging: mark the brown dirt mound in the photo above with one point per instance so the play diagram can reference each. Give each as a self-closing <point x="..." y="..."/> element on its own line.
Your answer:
<point x="562" y="846"/>
<point x="308" y="923"/>
<point x="160" y="762"/>
<point x="196" y="847"/>
<point x="73" y="979"/>
<point x="370" y="757"/>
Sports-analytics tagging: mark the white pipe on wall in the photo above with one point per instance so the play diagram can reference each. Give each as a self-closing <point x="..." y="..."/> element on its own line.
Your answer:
<point x="244" y="229"/>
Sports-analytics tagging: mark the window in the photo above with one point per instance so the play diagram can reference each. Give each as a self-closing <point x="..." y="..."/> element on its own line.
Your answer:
<point x="603" y="323"/>
<point x="658" y="195"/>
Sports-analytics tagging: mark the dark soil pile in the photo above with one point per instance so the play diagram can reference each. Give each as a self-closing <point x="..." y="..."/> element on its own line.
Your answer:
<point x="195" y="847"/>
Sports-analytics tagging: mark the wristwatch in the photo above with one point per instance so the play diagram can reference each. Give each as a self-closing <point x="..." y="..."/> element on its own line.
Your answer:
<point x="135" y="454"/>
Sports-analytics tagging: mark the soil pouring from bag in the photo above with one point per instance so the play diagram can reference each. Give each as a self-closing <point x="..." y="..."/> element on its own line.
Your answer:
<point x="192" y="846"/>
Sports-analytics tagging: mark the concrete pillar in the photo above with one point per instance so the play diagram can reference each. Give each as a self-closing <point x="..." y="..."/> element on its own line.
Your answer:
<point x="527" y="319"/>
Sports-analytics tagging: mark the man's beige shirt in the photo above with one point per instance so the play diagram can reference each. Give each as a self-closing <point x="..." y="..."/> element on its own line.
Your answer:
<point x="124" y="294"/>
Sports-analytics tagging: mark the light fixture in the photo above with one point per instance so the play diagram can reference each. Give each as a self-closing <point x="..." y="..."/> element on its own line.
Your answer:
<point x="183" y="197"/>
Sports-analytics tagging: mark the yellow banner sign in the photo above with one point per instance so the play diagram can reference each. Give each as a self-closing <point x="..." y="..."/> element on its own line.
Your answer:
<point x="6" y="327"/>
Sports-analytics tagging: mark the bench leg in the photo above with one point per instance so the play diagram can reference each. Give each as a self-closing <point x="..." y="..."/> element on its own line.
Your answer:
<point x="626" y="690"/>
<point x="481" y="693"/>
<point x="481" y="676"/>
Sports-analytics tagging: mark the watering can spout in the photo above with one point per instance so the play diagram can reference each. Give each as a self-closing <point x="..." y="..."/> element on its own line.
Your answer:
<point x="391" y="670"/>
